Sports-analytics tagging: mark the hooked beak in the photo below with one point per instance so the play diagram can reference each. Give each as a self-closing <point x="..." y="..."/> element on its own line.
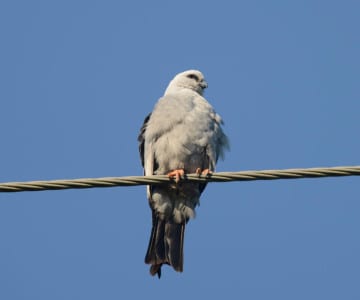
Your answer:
<point x="203" y="84"/>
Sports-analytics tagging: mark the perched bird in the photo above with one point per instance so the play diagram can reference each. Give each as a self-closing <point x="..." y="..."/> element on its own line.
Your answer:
<point x="182" y="135"/>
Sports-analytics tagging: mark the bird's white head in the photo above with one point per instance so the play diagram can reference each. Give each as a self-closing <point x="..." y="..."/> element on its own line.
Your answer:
<point x="191" y="79"/>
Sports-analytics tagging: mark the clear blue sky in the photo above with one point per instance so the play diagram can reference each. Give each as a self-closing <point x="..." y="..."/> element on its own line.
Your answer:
<point x="77" y="79"/>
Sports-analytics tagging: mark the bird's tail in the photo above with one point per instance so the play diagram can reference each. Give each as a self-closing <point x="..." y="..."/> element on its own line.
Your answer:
<point x="166" y="245"/>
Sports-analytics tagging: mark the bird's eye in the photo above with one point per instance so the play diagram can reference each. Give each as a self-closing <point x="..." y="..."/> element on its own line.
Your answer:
<point x="193" y="76"/>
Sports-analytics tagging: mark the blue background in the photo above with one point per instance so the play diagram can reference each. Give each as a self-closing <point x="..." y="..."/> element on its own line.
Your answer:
<point x="77" y="79"/>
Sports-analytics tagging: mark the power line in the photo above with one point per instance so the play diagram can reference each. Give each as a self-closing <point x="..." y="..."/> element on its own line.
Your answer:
<point x="85" y="183"/>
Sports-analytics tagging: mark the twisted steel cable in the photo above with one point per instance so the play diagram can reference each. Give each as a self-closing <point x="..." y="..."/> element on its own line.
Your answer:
<point x="85" y="183"/>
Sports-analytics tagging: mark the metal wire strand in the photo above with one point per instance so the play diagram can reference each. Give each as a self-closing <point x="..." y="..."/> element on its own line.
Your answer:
<point x="85" y="183"/>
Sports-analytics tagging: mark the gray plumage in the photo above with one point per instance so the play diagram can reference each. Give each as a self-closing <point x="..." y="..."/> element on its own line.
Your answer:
<point x="183" y="132"/>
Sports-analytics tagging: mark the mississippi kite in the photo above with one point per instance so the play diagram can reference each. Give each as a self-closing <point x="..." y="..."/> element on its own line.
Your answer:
<point x="182" y="135"/>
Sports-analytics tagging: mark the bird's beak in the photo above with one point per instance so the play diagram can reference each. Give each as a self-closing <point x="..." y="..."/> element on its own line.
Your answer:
<point x="203" y="84"/>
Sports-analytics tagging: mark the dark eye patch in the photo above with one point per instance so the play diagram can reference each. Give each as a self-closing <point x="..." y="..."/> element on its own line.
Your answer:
<point x="193" y="76"/>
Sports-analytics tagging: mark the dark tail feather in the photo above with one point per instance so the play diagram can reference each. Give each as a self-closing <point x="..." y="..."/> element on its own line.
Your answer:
<point x="165" y="246"/>
<point x="174" y="244"/>
<point x="155" y="254"/>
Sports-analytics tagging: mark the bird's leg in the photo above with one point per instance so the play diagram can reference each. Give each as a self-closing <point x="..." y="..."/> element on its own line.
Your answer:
<point x="178" y="173"/>
<point x="205" y="172"/>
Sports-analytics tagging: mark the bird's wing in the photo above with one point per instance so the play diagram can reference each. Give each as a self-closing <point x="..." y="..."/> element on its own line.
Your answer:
<point x="141" y="138"/>
<point x="146" y="155"/>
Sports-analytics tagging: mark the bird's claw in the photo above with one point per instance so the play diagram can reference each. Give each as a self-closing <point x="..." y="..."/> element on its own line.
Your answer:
<point x="204" y="172"/>
<point x="177" y="174"/>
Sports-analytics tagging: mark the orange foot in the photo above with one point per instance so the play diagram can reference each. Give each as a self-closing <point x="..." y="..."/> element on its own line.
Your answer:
<point x="177" y="174"/>
<point x="203" y="172"/>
